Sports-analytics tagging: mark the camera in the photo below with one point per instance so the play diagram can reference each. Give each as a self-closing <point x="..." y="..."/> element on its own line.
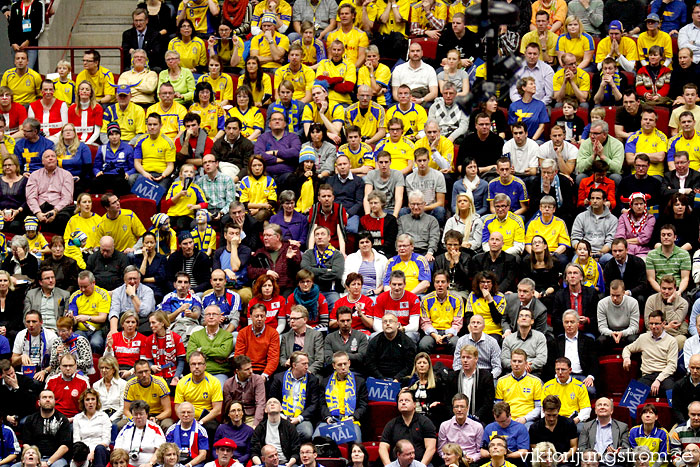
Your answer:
<point x="134" y="455"/>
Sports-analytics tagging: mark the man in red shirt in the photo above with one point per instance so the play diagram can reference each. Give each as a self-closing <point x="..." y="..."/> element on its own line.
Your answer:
<point x="400" y="302"/>
<point x="327" y="213"/>
<point x="198" y="142"/>
<point x="67" y="386"/>
<point x="260" y="342"/>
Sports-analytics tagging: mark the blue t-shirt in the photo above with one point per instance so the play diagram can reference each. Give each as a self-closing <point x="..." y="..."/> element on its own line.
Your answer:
<point x="5" y="346"/>
<point x="531" y="114"/>
<point x="516" y="191"/>
<point x="516" y="434"/>
<point x="673" y="15"/>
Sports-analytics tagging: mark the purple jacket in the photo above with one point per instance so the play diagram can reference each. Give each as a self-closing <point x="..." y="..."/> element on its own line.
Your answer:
<point x="296" y="229"/>
<point x="288" y="146"/>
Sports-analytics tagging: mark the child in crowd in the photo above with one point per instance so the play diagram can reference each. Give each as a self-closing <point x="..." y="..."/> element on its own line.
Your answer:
<point x="572" y="123"/>
<point x="597" y="115"/>
<point x="183" y="199"/>
<point x="203" y="235"/>
<point x="7" y="143"/>
<point x="37" y="242"/>
<point x="593" y="272"/>
<point x="166" y="238"/>
<point x="65" y="86"/>
<point x="76" y="246"/>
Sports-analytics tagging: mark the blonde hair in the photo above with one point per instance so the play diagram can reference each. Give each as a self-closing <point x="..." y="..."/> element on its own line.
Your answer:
<point x="61" y="148"/>
<point x="544" y="447"/>
<point x="571" y="19"/>
<point x="163" y="450"/>
<point x="456" y="449"/>
<point x="27" y="448"/>
<point x="9" y="279"/>
<point x="471" y="215"/>
<point x="64" y="63"/>
<point x="431" y="374"/>
<point x="78" y="199"/>
<point x="598" y="112"/>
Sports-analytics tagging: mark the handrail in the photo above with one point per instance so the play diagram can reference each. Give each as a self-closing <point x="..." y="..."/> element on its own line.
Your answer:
<point x="73" y="48"/>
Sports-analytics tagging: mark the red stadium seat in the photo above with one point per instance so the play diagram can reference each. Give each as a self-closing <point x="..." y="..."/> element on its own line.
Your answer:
<point x="622" y="413"/>
<point x="610" y="119"/>
<point x="372" y="450"/>
<point x="96" y="375"/>
<point x="97" y="207"/>
<point x="93" y="151"/>
<point x="614" y="378"/>
<point x="381" y="413"/>
<point x="144" y="208"/>
<point x="343" y="450"/>
<point x="446" y="360"/>
<point x="662" y="120"/>
<point x="428" y="45"/>
<point x="665" y="412"/>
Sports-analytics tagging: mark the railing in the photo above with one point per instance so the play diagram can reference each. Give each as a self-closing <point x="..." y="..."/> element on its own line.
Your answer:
<point x="72" y="50"/>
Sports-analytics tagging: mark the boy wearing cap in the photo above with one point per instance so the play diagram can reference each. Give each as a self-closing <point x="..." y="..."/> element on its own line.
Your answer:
<point x="321" y="110"/>
<point x="280" y="8"/>
<point x="114" y="163"/>
<point x="269" y="45"/>
<point x="617" y="46"/>
<point x="37" y="242"/>
<point x="654" y="36"/>
<point x="130" y="116"/>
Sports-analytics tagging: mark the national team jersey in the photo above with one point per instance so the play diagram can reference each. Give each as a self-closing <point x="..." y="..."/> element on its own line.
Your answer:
<point x="127" y="352"/>
<point x="576" y="45"/>
<point x="261" y="94"/>
<point x="345" y="70"/>
<point x="583" y="80"/>
<point x="259" y="43"/>
<point x="419" y="16"/>
<point x="691" y="146"/>
<point x="521" y="393"/>
<point x="194" y="195"/>
<point x="391" y="25"/>
<point x="369" y="120"/>
<point x="628" y="48"/>
<point x="313" y="53"/>
<point x="441" y="315"/>
<point x="172" y="119"/>
<point x="555" y="233"/>
<point x="382" y="76"/>
<point x="126" y="229"/>
<point x="155" y="153"/>
<point x="515" y="189"/>
<point x="354" y="40"/>
<point x="416" y="270"/>
<point x="25" y="88"/>
<point x="37" y="243"/>
<point x="459" y="7"/>
<point x="512" y="228"/>
<point x="201" y="394"/>
<point x="573" y="395"/>
<point x="191" y="441"/>
<point x="293" y="113"/>
<point x="93" y="305"/>
<point x="404" y="308"/>
<point x="283" y="12"/>
<point x="204" y="240"/>
<point x="656" y="441"/>
<point x="213" y="118"/>
<point x="371" y="12"/>
<point x="302" y="80"/>
<point x="155" y="350"/>
<point x="229" y="304"/>
<point x="198" y="12"/>
<point x="67" y="392"/>
<point x="401" y="151"/>
<point x="334" y="113"/>
<point x="413" y="119"/>
<point x="251" y="120"/>
<point x="171" y="302"/>
<point x="9" y="143"/>
<point x="363" y="156"/>
<point x="656" y="141"/>
<point x="364" y="304"/>
<point x="65" y="91"/>
<point x="274" y="306"/>
<point x="222" y="86"/>
<point x="476" y="305"/>
<point x="192" y="54"/>
<point x="257" y="190"/>
<point x="662" y="39"/>
<point x="152" y="394"/>
<point x="445" y="147"/>
<point x="102" y="82"/>
<point x="132" y="120"/>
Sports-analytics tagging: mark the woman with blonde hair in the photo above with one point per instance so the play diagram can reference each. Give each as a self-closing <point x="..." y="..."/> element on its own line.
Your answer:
<point x="453" y="455"/>
<point x="31" y="457"/>
<point x="466" y="221"/>
<point x="427" y="387"/>
<point x="168" y="455"/>
<point x="74" y="156"/>
<point x="86" y="114"/>
<point x="111" y="390"/>
<point x="543" y="455"/>
<point x="577" y="42"/>
<point x="84" y="220"/>
<point x="455" y="74"/>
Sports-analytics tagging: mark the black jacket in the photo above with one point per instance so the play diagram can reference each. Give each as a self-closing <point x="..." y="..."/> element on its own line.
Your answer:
<point x="635" y="277"/>
<point x="484" y="394"/>
<point x="505" y="269"/>
<point x="109" y="272"/>
<point x="684" y="392"/>
<point x="36" y="19"/>
<point x="672" y="184"/>
<point x="66" y="271"/>
<point x="289" y="439"/>
<point x="152" y="44"/>
<point x="252" y="229"/>
<point x="29" y="266"/>
<point x="390" y="359"/>
<point x="310" y="412"/>
<point x="201" y="269"/>
<point x="21" y="402"/>
<point x="362" y="399"/>
<point x="589" y="306"/>
<point x="237" y="153"/>
<point x="459" y="276"/>
<point x="586" y="353"/>
<point x="567" y="211"/>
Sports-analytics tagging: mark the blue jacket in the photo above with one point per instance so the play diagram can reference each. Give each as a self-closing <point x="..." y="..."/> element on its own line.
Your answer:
<point x="109" y="162"/>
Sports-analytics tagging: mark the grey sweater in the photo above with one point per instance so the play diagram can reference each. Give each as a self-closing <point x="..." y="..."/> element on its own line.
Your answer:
<point x="424" y="230"/>
<point x="535" y="346"/>
<point x="599" y="230"/>
<point x="615" y="318"/>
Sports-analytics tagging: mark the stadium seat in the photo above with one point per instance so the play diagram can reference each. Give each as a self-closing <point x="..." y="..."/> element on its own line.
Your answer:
<point x="343" y="450"/>
<point x="97" y="207"/>
<point x="93" y="151"/>
<point x="446" y="360"/>
<point x="613" y="377"/>
<point x="372" y="450"/>
<point x="622" y="414"/>
<point x="96" y="375"/>
<point x="380" y="413"/>
<point x="665" y="412"/>
<point x="144" y="208"/>
<point x="428" y="45"/>
<point x="610" y="119"/>
<point x="663" y="117"/>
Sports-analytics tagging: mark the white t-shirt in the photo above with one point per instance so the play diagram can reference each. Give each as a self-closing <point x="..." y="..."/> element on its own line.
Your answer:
<point x="35" y="347"/>
<point x="522" y="158"/>
<point x="421" y="77"/>
<point x="569" y="152"/>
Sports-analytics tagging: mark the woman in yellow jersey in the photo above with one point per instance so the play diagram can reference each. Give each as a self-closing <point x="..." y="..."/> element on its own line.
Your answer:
<point x="192" y="49"/>
<point x="252" y="121"/>
<point x="65" y="86"/>
<point x="227" y="46"/>
<point x="84" y="220"/>
<point x="651" y="435"/>
<point x="221" y="84"/>
<point x="577" y="42"/>
<point x="313" y="50"/>
<point x="181" y="78"/>
<point x="487" y="301"/>
<point x="259" y="83"/>
<point x="213" y="116"/>
<point x="258" y="191"/>
<point x="166" y="238"/>
<point x="304" y="181"/>
<point x="542" y="269"/>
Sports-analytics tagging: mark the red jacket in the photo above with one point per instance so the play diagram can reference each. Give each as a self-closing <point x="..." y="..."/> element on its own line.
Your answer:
<point x="608" y="186"/>
<point x="287" y="268"/>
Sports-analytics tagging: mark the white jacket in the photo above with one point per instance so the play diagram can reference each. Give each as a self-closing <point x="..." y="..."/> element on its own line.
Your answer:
<point x="354" y="260"/>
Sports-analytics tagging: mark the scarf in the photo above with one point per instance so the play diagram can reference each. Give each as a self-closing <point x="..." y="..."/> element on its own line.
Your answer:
<point x="322" y="258"/>
<point x="72" y="343"/>
<point x="471" y="186"/>
<point x="557" y="190"/>
<point x="163" y="240"/>
<point x="236" y="12"/>
<point x="44" y="351"/>
<point x="288" y="407"/>
<point x="306" y="196"/>
<point x="202" y="240"/>
<point x="332" y="397"/>
<point x="199" y="148"/>
<point x="590" y="272"/>
<point x="309" y="300"/>
<point x="636" y="229"/>
<point x="169" y="350"/>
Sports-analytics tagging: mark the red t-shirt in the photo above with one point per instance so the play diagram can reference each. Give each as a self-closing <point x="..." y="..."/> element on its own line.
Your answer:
<point x="162" y="356"/>
<point x="274" y="307"/>
<point x="363" y="304"/>
<point x="208" y="145"/>
<point x="67" y="392"/>
<point x="125" y="352"/>
<point x="405" y="307"/>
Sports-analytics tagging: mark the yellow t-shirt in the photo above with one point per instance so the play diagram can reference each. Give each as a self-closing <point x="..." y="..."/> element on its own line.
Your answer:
<point x="126" y="229"/>
<point x="345" y="70"/>
<point x="575" y="45"/>
<point x="382" y="75"/>
<point x="194" y="195"/>
<point x="691" y="146"/>
<point x="363" y="156"/>
<point x="192" y="54"/>
<point x="132" y="120"/>
<point x="302" y="79"/>
<point x="213" y="118"/>
<point x="354" y="41"/>
<point x="334" y="113"/>
<point x="521" y="394"/>
<point x="370" y="122"/>
<point x="258" y="94"/>
<point x="172" y="119"/>
<point x="93" y="305"/>
<point x="222" y="86"/>
<point x="573" y="395"/>
<point x="413" y="119"/>
<point x="555" y="232"/>
<point x="9" y="143"/>
<point x="418" y="14"/>
<point x="401" y="152"/>
<point x="662" y="39"/>
<point x="446" y="148"/>
<point x="257" y="191"/>
<point x="392" y="25"/>
<point x="26" y="88"/>
<point x="87" y="226"/>
<point x="201" y="394"/>
<point x="155" y="153"/>
<point x="152" y="393"/>
<point x="533" y="37"/>
<point x="656" y="141"/>
<point x="371" y="12"/>
<point x="628" y="48"/>
<point x="196" y="11"/>
<point x="512" y="229"/>
<point x="477" y="305"/>
<point x="65" y="91"/>
<point x="260" y="45"/>
<point x="583" y="80"/>
<point x="102" y="82"/>
<point x="251" y="120"/>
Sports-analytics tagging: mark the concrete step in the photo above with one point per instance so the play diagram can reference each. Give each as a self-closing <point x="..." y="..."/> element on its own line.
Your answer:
<point x="107" y="9"/>
<point x="98" y="26"/>
<point x="91" y="39"/>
